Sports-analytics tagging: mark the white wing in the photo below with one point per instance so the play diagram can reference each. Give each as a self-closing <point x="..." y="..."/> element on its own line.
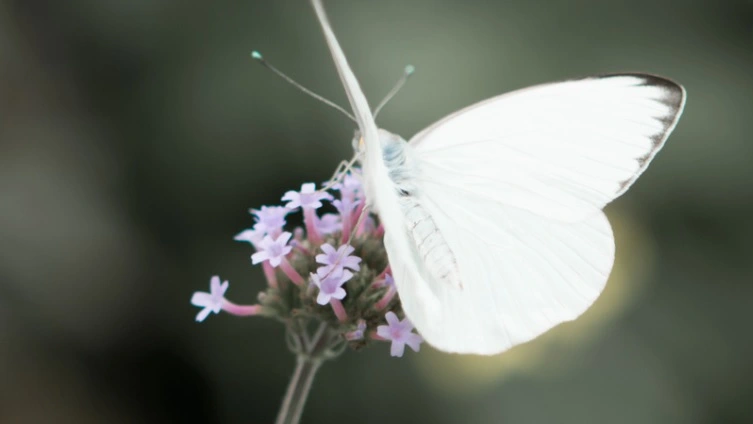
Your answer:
<point x="559" y="150"/>
<point x="522" y="274"/>
<point x="515" y="185"/>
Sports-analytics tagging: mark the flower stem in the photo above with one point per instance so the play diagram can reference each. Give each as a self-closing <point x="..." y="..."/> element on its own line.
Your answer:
<point x="269" y="272"/>
<point x="291" y="273"/>
<point x="240" y="310"/>
<point x="339" y="310"/>
<point x="386" y="299"/>
<point x="298" y="389"/>
<point x="309" y="219"/>
<point x="311" y="352"/>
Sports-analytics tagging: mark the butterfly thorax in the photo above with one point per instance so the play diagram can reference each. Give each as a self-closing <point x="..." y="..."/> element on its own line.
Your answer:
<point x="397" y="159"/>
<point x="401" y="165"/>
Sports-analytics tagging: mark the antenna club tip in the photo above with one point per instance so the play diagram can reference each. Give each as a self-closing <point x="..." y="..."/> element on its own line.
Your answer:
<point x="410" y="69"/>
<point x="256" y="55"/>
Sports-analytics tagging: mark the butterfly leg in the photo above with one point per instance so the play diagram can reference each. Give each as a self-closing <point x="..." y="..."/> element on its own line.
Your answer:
<point x="364" y="213"/>
<point x="339" y="173"/>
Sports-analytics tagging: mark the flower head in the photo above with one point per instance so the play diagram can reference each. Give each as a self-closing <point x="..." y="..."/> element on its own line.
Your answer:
<point x="212" y="301"/>
<point x="400" y="333"/>
<point x="340" y="282"/>
<point x="307" y="198"/>
<point x="273" y="250"/>
<point x="270" y="219"/>
<point x="339" y="259"/>
<point x="330" y="284"/>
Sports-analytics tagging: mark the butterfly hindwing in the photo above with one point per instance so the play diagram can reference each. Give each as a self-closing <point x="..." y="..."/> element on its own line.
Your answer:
<point x="521" y="273"/>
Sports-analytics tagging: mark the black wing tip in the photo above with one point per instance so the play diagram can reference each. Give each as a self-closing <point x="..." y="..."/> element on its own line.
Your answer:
<point x="674" y="98"/>
<point x="675" y="92"/>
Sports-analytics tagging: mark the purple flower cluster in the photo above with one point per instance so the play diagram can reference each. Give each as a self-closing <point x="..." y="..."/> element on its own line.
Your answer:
<point x="332" y="270"/>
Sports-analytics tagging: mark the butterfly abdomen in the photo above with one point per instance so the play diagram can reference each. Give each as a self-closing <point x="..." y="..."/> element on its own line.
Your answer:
<point x="437" y="257"/>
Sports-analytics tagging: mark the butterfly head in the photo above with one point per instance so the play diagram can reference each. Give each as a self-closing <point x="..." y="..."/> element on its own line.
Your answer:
<point x="359" y="145"/>
<point x="387" y="141"/>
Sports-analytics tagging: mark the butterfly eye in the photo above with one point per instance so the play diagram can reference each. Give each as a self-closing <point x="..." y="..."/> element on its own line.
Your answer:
<point x="358" y="142"/>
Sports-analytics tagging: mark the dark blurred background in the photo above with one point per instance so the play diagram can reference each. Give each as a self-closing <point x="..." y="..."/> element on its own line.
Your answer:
<point x="135" y="135"/>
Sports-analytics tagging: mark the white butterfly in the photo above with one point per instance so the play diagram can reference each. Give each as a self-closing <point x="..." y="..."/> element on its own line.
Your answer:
<point x="492" y="215"/>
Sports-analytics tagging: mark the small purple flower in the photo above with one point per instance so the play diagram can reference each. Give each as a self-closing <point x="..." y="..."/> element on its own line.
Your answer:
<point x="307" y="198"/>
<point x="330" y="285"/>
<point x="334" y="260"/>
<point x="273" y="250"/>
<point x="388" y="282"/>
<point x="270" y="219"/>
<point x="329" y="223"/>
<point x="368" y="225"/>
<point x="400" y="333"/>
<point x="346" y="207"/>
<point x="211" y="302"/>
<point x="350" y="186"/>
<point x="358" y="333"/>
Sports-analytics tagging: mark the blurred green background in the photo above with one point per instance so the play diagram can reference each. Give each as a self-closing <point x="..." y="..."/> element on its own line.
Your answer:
<point x="135" y="135"/>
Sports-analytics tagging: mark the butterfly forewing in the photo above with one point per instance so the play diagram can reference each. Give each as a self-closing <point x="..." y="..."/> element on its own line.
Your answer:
<point x="559" y="150"/>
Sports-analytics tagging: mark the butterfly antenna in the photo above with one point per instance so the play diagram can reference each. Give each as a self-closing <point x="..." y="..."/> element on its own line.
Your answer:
<point x="259" y="58"/>
<point x="400" y="83"/>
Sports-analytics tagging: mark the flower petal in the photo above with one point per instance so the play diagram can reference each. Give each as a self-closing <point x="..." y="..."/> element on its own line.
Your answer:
<point x="259" y="257"/>
<point x="414" y="341"/>
<point x="290" y="195"/>
<point x="322" y="298"/>
<point x="214" y="284"/>
<point x="392" y="319"/>
<point x="203" y="314"/>
<point x="345" y="250"/>
<point x="201" y="299"/>
<point x="328" y="249"/>
<point x="308" y="188"/>
<point x="250" y="236"/>
<point x="275" y="261"/>
<point x="339" y="293"/>
<point x="397" y="349"/>
<point x="284" y="238"/>
<point x="383" y="331"/>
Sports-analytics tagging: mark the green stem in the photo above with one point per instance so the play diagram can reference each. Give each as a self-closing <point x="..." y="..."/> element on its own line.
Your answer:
<point x="310" y="355"/>
<point x="298" y="390"/>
